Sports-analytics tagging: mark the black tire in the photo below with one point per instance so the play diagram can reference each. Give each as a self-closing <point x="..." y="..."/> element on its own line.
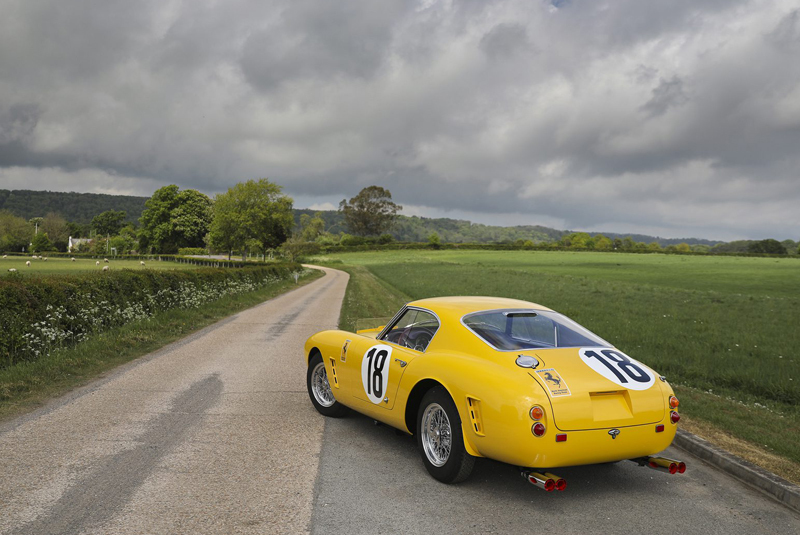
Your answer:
<point x="317" y="384"/>
<point x="438" y="413"/>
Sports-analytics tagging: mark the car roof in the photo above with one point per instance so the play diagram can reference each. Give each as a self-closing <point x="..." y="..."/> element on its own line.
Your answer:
<point x="458" y="306"/>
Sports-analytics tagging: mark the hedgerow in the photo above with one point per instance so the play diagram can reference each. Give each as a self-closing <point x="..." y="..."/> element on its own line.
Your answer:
<point x="40" y="315"/>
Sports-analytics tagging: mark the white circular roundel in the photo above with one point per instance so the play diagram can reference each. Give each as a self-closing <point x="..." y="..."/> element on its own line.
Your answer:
<point x="618" y="367"/>
<point x="375" y="371"/>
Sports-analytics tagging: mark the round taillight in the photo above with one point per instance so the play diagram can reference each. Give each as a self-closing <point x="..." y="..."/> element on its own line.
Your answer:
<point x="537" y="413"/>
<point x="538" y="429"/>
<point x="673" y="402"/>
<point x="674" y="417"/>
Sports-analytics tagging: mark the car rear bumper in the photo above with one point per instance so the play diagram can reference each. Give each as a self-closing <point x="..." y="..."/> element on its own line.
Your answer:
<point x="598" y="445"/>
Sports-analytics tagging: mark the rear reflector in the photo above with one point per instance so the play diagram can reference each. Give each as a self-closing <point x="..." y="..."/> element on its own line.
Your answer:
<point x="561" y="437"/>
<point x="660" y="428"/>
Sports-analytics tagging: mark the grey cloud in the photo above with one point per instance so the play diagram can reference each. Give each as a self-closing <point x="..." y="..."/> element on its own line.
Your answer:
<point x="668" y="94"/>
<point x="320" y="40"/>
<point x="627" y="113"/>
<point x="17" y="122"/>
<point x="786" y="35"/>
<point x="504" y="40"/>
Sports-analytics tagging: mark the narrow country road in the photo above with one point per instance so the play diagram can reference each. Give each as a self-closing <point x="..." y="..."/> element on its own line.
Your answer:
<point x="215" y="434"/>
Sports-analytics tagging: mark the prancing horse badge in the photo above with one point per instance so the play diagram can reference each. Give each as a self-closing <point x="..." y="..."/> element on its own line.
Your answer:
<point x="613" y="433"/>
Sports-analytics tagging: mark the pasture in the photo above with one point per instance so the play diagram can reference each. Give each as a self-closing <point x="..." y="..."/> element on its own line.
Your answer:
<point x="722" y="329"/>
<point x="65" y="266"/>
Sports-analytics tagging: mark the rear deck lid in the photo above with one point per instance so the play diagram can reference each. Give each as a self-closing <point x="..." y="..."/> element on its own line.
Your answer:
<point x="598" y="387"/>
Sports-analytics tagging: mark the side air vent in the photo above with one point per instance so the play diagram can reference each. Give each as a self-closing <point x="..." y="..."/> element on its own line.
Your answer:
<point x="474" y="406"/>
<point x="333" y="373"/>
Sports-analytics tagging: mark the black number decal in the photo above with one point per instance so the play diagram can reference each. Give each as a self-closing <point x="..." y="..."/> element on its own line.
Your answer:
<point x="618" y="363"/>
<point x="369" y="367"/>
<point x="375" y="364"/>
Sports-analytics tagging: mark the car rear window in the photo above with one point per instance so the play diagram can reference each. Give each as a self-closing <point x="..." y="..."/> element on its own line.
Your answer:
<point x="509" y="330"/>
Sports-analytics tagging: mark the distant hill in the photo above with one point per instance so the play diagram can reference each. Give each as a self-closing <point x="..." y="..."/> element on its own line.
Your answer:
<point x="74" y="207"/>
<point x="417" y="229"/>
<point x="82" y="207"/>
<point x="663" y="242"/>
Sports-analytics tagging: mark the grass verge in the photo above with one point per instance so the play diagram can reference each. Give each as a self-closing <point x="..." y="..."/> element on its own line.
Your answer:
<point x="28" y="385"/>
<point x="367" y="297"/>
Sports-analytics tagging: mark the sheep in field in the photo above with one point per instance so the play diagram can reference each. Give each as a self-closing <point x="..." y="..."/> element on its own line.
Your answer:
<point x="105" y="260"/>
<point x="5" y="256"/>
<point x="12" y="270"/>
<point x="28" y="263"/>
<point x="105" y="268"/>
<point x="45" y="259"/>
<point x="142" y="262"/>
<point x="97" y="263"/>
<point x="73" y="259"/>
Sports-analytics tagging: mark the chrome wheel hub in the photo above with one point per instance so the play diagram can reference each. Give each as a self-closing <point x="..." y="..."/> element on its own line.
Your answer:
<point x="320" y="386"/>
<point x="436" y="434"/>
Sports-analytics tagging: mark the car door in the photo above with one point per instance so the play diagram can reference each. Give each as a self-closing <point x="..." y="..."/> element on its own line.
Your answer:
<point x="375" y="366"/>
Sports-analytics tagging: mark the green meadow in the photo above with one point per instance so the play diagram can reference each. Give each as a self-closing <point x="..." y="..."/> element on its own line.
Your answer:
<point x="59" y="266"/>
<point x="724" y="330"/>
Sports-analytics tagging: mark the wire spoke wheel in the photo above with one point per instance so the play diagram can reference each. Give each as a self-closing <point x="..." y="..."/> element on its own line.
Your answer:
<point x="320" y="386"/>
<point x="437" y="439"/>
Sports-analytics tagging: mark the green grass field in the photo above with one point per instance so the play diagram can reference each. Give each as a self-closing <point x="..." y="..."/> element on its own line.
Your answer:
<point x="722" y="329"/>
<point x="59" y="266"/>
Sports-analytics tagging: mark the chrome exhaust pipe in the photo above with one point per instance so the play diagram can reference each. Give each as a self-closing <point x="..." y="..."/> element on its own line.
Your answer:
<point x="663" y="464"/>
<point x="561" y="483"/>
<point x="547" y="482"/>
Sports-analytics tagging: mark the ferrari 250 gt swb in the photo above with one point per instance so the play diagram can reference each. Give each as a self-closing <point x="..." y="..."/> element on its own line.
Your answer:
<point x="499" y="378"/>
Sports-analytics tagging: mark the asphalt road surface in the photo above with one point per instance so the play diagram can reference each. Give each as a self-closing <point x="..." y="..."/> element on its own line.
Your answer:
<point x="216" y="434"/>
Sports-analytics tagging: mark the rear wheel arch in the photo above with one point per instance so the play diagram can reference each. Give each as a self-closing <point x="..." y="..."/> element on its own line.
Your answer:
<point x="414" y="401"/>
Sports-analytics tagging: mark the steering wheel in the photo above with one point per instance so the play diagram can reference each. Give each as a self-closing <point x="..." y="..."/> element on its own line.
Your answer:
<point x="401" y="340"/>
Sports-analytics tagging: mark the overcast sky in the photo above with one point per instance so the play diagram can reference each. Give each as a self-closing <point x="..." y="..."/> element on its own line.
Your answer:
<point x="678" y="118"/>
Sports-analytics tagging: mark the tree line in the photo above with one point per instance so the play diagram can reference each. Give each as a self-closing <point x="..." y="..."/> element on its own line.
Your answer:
<point x="256" y="217"/>
<point x="252" y="217"/>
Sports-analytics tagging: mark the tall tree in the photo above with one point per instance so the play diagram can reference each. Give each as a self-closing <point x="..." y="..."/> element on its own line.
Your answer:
<point x="15" y="232"/>
<point x="41" y="243"/>
<point x="252" y="213"/>
<point x="371" y="212"/>
<point x="108" y="223"/>
<point x="768" y="246"/>
<point x="311" y="227"/>
<point x="56" y="229"/>
<point x="174" y="219"/>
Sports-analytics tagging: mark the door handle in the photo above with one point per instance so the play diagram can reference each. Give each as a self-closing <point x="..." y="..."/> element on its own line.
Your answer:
<point x="402" y="363"/>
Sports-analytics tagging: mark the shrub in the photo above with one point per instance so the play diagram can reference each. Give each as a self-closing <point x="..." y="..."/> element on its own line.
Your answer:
<point x="39" y="315"/>
<point x="189" y="251"/>
<point x="349" y="240"/>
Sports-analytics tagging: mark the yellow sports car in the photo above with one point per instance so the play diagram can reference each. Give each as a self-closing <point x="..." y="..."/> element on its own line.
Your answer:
<point x="499" y="378"/>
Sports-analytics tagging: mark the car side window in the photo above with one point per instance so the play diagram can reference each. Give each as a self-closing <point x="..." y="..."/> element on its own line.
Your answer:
<point x="414" y="330"/>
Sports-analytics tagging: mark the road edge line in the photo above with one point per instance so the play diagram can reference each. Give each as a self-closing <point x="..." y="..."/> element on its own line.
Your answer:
<point x="773" y="485"/>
